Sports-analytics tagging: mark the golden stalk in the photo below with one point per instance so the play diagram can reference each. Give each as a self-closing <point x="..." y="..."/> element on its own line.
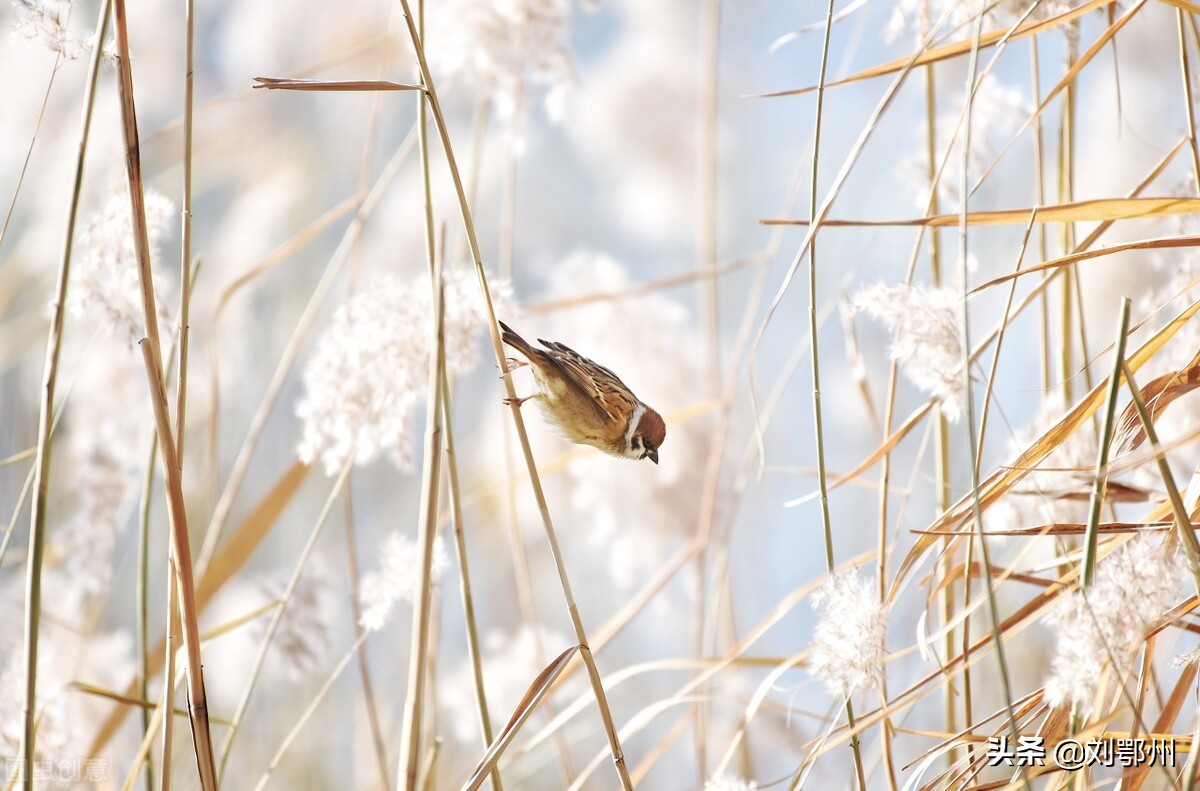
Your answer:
<point x="618" y="755"/>
<point x="152" y="357"/>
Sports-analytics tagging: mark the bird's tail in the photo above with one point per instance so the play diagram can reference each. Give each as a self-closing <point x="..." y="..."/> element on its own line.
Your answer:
<point x="514" y="340"/>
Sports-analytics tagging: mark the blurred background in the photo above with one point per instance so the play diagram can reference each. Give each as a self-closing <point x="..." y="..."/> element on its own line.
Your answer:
<point x="619" y="162"/>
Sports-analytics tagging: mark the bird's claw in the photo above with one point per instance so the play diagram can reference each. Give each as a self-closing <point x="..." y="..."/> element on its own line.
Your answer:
<point x="511" y="364"/>
<point x="518" y="401"/>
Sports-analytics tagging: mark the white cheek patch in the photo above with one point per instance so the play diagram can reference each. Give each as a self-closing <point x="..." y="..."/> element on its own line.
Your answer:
<point x="634" y="419"/>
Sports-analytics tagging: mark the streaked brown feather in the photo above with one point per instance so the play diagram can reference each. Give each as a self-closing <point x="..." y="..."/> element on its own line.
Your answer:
<point x="605" y="387"/>
<point x="588" y="402"/>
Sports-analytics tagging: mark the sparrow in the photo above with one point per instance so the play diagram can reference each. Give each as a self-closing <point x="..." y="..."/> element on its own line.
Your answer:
<point x="587" y="401"/>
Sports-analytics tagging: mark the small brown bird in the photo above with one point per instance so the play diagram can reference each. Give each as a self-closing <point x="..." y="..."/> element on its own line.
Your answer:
<point x="587" y="401"/>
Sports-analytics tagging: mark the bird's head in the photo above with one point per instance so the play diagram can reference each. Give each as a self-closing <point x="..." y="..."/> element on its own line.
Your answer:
<point x="645" y="434"/>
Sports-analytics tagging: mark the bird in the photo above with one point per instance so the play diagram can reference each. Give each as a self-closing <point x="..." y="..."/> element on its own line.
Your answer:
<point x="588" y="402"/>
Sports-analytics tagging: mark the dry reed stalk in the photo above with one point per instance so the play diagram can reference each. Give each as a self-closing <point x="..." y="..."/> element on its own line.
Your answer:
<point x="941" y="425"/>
<point x="414" y="700"/>
<point x="46" y="418"/>
<point x="460" y="546"/>
<point x="436" y="261"/>
<point x="702" y="272"/>
<point x="278" y="83"/>
<point x="152" y="357"/>
<point x="573" y="610"/>
<point x="508" y="220"/>
<point x="185" y="257"/>
<point x="147" y="744"/>
<point x="1095" y="210"/>
<point x="181" y="552"/>
<point x="143" y="570"/>
<point x="1039" y="176"/>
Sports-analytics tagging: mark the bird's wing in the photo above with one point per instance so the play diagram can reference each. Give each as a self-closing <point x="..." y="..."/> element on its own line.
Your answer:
<point x="605" y="388"/>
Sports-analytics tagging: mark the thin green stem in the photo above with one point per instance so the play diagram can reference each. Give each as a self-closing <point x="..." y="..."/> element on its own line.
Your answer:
<point x="1100" y="481"/>
<point x="818" y="422"/>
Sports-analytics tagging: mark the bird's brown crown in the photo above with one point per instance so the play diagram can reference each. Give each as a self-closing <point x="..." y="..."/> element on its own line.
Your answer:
<point x="652" y="428"/>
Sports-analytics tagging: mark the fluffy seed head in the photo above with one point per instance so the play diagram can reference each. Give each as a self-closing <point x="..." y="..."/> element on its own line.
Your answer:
<point x="396" y="579"/>
<point x="848" y="646"/>
<point x="728" y="782"/>
<point x="46" y="21"/>
<point x="105" y="287"/>
<point x="504" y="47"/>
<point x="926" y="341"/>
<point x="1134" y="586"/>
<point x="370" y="368"/>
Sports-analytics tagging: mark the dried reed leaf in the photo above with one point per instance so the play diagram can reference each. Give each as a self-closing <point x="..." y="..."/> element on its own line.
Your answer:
<point x="533" y="696"/>
<point x="1003" y="480"/>
<point x="1159" y="394"/>
<point x="1060" y="529"/>
<point x="242" y="543"/>
<point x="1098" y="210"/>
<point x="282" y="83"/>
<point x="1115" y="491"/>
<point x="1191" y="8"/>
<point x="1054" y="263"/>
<point x="960" y="47"/>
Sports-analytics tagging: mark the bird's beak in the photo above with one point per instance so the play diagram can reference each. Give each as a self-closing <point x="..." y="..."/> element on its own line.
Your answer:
<point x="653" y="456"/>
